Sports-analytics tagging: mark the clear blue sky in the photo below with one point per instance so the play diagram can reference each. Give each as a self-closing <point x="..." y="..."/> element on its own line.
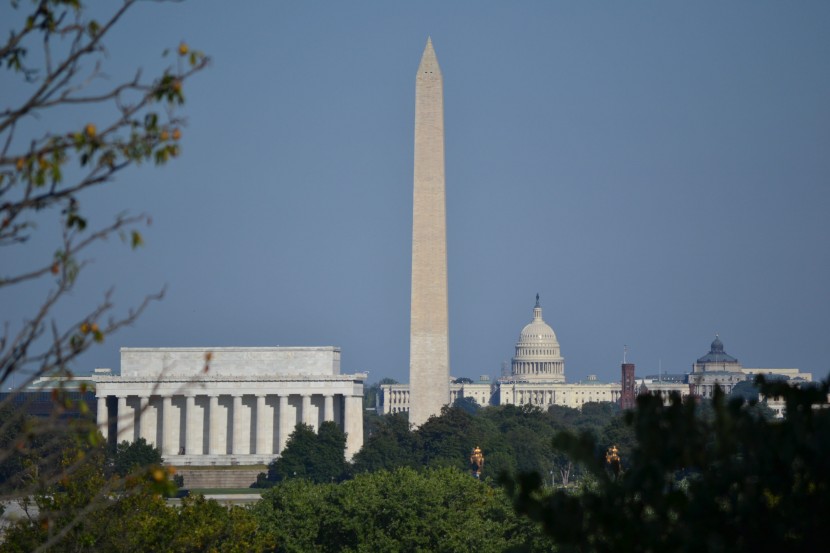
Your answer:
<point x="657" y="171"/>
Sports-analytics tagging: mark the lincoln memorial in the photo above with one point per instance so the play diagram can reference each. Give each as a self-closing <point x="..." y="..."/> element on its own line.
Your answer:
<point x="227" y="406"/>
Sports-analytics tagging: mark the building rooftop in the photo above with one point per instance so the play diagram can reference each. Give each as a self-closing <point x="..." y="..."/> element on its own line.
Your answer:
<point x="717" y="354"/>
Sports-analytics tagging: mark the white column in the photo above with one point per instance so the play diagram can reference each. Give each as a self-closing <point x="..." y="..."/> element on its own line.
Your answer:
<point x="286" y="425"/>
<point x="236" y="447"/>
<point x="143" y="430"/>
<point x="307" y="410"/>
<point x="167" y="426"/>
<point x="122" y="422"/>
<point x="213" y="447"/>
<point x="353" y="425"/>
<point x="103" y="419"/>
<point x="328" y="408"/>
<point x="262" y="428"/>
<point x="190" y="426"/>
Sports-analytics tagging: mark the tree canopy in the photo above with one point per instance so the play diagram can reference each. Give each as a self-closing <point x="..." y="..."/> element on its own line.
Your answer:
<point x="402" y="510"/>
<point x="730" y="480"/>
<point x="130" y="456"/>
<point x="318" y="457"/>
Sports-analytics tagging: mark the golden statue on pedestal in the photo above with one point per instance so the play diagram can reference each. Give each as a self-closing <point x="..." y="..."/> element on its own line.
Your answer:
<point x="612" y="458"/>
<point x="477" y="462"/>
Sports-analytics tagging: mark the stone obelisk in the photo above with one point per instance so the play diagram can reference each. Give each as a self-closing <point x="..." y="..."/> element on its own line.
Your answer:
<point x="429" y="350"/>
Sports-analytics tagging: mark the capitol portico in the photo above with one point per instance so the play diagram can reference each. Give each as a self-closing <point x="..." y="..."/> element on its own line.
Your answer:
<point x="227" y="406"/>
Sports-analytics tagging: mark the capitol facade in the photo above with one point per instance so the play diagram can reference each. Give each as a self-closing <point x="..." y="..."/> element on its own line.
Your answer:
<point x="537" y="378"/>
<point x="538" y="373"/>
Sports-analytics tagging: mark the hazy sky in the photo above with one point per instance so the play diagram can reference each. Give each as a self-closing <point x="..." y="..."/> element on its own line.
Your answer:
<point x="657" y="171"/>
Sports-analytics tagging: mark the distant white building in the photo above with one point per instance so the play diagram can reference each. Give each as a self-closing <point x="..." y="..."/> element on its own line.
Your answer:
<point x="227" y="406"/>
<point x="664" y="386"/>
<point x="394" y="398"/>
<point x="538" y="373"/>
<point x="718" y="368"/>
<point x="537" y="378"/>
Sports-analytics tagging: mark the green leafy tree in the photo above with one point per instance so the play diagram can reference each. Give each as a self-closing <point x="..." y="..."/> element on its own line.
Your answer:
<point x="131" y="456"/>
<point x="595" y="415"/>
<point x="13" y="433"/>
<point x="517" y="439"/>
<point x="403" y="510"/>
<point x="86" y="511"/>
<point x="391" y="445"/>
<point x="33" y="448"/>
<point x="467" y="404"/>
<point x="293" y="512"/>
<point x="448" y="439"/>
<point x="330" y="461"/>
<point x="372" y="392"/>
<point x="618" y="433"/>
<point x="564" y="418"/>
<point x="319" y="457"/>
<point x="61" y="506"/>
<point x="730" y="480"/>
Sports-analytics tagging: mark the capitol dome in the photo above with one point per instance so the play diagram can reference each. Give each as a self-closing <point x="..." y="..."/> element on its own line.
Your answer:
<point x="537" y="352"/>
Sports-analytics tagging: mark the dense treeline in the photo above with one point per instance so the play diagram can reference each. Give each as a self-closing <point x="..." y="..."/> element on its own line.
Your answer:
<point x="515" y="439"/>
<point x="710" y="476"/>
<point x="719" y="476"/>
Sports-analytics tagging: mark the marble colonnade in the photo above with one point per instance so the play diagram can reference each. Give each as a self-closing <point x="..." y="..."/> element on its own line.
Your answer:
<point x="227" y="405"/>
<point x="196" y="424"/>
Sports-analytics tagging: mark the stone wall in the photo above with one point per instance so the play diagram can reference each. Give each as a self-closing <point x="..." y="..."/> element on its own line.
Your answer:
<point x="219" y="477"/>
<point x="245" y="362"/>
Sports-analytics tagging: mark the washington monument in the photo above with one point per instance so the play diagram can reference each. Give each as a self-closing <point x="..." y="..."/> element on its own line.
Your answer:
<point x="429" y="350"/>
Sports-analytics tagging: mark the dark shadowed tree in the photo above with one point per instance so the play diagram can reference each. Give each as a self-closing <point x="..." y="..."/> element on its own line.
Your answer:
<point x="371" y="393"/>
<point x="391" y="445"/>
<point x="448" y="439"/>
<point x="563" y="418"/>
<point x="318" y="457"/>
<point x="730" y="480"/>
<point x="466" y="404"/>
<point x="131" y="456"/>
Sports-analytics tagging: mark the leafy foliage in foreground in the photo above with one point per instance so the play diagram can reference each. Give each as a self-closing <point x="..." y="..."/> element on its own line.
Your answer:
<point x="130" y="456"/>
<point x="403" y="510"/>
<point x="729" y="481"/>
<point x="87" y="511"/>
<point x="67" y="129"/>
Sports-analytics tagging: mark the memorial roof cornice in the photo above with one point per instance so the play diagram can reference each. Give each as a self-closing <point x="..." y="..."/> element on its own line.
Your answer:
<point x="254" y="378"/>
